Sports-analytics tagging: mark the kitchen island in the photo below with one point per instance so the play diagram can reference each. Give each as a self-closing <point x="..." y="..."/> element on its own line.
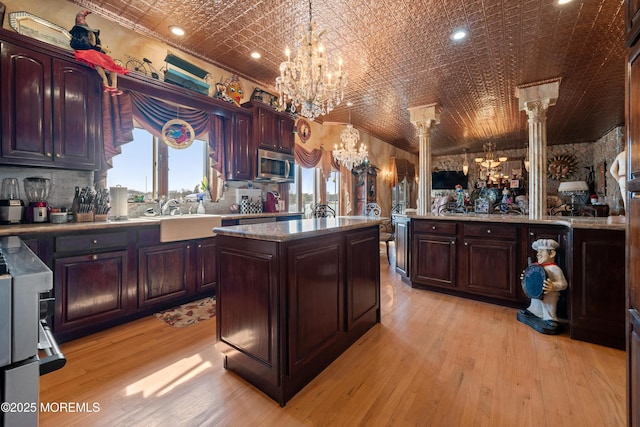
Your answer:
<point x="292" y="296"/>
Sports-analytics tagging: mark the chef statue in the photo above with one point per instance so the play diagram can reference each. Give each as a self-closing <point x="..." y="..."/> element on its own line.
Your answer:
<point x="619" y="171"/>
<point x="541" y="314"/>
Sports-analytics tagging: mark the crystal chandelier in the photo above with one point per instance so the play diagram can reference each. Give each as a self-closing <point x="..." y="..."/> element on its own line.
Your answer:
<point x="307" y="81"/>
<point x="489" y="162"/>
<point x="348" y="155"/>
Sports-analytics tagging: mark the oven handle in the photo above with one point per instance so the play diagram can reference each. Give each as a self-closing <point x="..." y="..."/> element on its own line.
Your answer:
<point x="55" y="358"/>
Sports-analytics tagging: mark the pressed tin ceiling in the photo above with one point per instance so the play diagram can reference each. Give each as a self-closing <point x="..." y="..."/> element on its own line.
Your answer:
<point x="398" y="54"/>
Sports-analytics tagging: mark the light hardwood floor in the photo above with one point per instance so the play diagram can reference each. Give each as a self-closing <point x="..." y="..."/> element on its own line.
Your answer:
<point x="435" y="360"/>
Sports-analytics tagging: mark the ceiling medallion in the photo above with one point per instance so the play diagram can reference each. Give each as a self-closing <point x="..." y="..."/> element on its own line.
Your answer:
<point x="561" y="166"/>
<point x="307" y="81"/>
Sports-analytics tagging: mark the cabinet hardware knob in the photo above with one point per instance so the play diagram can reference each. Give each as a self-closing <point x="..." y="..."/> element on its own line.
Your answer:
<point x="433" y="228"/>
<point x="489" y="231"/>
<point x="466" y="244"/>
<point x="531" y="233"/>
<point x="94" y="257"/>
<point x="58" y="155"/>
<point x="95" y="241"/>
<point x="199" y="245"/>
<point x="188" y="246"/>
<point x="48" y="154"/>
<point x="453" y="242"/>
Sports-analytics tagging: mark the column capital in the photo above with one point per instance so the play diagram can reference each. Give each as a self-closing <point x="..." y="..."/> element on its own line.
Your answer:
<point x="544" y="92"/>
<point x="424" y="117"/>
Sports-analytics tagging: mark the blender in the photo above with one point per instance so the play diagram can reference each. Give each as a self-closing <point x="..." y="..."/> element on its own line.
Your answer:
<point x="37" y="190"/>
<point x="11" y="206"/>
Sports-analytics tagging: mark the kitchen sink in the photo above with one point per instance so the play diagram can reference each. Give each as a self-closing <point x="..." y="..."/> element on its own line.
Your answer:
<point x="186" y="227"/>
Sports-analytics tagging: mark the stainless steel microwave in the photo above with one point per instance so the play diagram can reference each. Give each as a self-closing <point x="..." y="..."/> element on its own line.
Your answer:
<point x="275" y="166"/>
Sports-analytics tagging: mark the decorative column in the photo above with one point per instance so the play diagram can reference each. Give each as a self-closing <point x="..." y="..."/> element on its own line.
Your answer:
<point x="535" y="99"/>
<point x="424" y="118"/>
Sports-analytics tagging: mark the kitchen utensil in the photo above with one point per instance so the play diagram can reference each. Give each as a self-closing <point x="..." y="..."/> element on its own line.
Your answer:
<point x="10" y="189"/>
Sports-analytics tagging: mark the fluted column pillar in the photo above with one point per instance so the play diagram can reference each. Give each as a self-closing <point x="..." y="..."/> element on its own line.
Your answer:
<point x="535" y="100"/>
<point x="424" y="118"/>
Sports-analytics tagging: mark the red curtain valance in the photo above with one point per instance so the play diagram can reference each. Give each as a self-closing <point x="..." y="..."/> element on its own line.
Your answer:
<point x="317" y="157"/>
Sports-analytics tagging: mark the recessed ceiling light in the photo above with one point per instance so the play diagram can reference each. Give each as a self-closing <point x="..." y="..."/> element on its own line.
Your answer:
<point x="256" y="55"/>
<point x="178" y="31"/>
<point x="459" y="34"/>
<point x="561" y="2"/>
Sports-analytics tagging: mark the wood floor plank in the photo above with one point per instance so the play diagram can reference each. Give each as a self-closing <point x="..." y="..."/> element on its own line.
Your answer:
<point x="435" y="360"/>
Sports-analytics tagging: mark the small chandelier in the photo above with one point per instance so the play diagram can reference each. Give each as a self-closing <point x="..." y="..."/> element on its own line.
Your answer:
<point x="489" y="161"/>
<point x="348" y="155"/>
<point x="307" y="80"/>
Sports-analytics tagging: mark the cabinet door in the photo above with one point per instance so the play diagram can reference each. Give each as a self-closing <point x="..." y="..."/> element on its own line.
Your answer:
<point x="597" y="292"/>
<point x="266" y="128"/>
<point x="402" y="247"/>
<point x="90" y="290"/>
<point x="164" y="273"/>
<point x="490" y="267"/>
<point x="76" y="106"/>
<point x="434" y="260"/>
<point x="240" y="152"/>
<point x="287" y="138"/>
<point x="632" y="21"/>
<point x="26" y="106"/>
<point x="206" y="265"/>
<point x="363" y="277"/>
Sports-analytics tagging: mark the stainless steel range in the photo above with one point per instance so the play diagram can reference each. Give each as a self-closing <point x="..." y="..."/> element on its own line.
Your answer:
<point x="25" y="283"/>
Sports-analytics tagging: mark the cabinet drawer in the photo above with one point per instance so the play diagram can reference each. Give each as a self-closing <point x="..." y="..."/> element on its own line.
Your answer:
<point x="491" y="230"/>
<point x="438" y="227"/>
<point x="91" y="242"/>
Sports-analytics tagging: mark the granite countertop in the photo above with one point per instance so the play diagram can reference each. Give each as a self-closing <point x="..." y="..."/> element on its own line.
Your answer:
<point x="601" y="223"/>
<point x="258" y="215"/>
<point x="297" y="229"/>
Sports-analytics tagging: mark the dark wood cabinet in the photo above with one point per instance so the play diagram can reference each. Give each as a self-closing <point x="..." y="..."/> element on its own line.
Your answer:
<point x="632" y="266"/>
<point x="91" y="282"/>
<point x="434" y="254"/>
<point x="489" y="260"/>
<point x="239" y="150"/>
<point x="272" y="130"/>
<point x="165" y="273"/>
<point x="206" y="265"/>
<point x="51" y="110"/>
<point x="287" y="309"/>
<point x="597" y="287"/>
<point x="401" y="230"/>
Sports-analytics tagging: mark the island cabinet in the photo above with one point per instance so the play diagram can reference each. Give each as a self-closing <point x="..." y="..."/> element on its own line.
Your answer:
<point x="93" y="284"/>
<point x="51" y="109"/>
<point x="598" y="287"/>
<point x="287" y="309"/>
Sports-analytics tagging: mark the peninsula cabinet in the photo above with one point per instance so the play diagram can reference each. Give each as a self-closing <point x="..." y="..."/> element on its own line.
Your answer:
<point x="489" y="260"/>
<point x="401" y="226"/>
<point x="51" y="109"/>
<point x="597" y="293"/>
<point x="434" y="254"/>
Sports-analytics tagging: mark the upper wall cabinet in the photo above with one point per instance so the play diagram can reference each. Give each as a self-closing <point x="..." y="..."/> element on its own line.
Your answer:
<point x="240" y="152"/>
<point x="632" y="21"/>
<point x="271" y="130"/>
<point x="51" y="110"/>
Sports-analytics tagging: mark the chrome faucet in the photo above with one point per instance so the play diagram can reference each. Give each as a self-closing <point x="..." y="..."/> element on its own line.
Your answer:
<point x="171" y="205"/>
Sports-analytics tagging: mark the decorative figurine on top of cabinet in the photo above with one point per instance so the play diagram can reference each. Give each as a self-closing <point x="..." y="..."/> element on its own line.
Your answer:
<point x="542" y="282"/>
<point x="88" y="49"/>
